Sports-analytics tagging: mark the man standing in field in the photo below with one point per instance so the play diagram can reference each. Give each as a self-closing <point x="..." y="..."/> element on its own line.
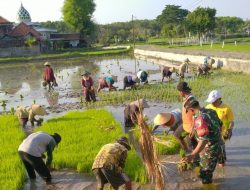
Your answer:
<point x="207" y="128"/>
<point x="225" y="114"/>
<point x="109" y="163"/>
<point x="184" y="68"/>
<point x="31" y="153"/>
<point x="48" y="76"/>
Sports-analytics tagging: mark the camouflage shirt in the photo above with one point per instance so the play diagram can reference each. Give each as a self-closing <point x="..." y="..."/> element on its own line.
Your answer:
<point x="111" y="156"/>
<point x="207" y="126"/>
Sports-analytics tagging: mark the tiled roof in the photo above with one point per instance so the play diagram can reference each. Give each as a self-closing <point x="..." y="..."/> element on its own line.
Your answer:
<point x="23" y="29"/>
<point x="3" y="20"/>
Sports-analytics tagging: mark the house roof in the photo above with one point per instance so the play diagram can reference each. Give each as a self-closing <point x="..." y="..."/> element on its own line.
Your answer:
<point x="4" y="21"/>
<point x="23" y="29"/>
<point x="73" y="36"/>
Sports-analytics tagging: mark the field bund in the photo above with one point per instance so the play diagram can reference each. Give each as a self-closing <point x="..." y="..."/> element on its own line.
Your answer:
<point x="233" y="61"/>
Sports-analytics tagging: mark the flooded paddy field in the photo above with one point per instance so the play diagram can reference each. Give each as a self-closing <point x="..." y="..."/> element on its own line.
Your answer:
<point x="24" y="80"/>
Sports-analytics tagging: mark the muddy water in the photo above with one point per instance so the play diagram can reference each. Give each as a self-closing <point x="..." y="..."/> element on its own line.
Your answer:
<point x="26" y="80"/>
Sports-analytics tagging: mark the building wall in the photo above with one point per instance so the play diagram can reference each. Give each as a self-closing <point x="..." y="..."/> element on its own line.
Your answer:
<point x="19" y="51"/>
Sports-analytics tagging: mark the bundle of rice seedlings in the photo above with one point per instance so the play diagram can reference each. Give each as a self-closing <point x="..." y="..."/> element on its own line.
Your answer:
<point x="149" y="155"/>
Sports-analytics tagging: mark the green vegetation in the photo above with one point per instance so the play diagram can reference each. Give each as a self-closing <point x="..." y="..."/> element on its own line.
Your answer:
<point x="66" y="54"/>
<point x="11" y="169"/>
<point x="83" y="135"/>
<point x="172" y="148"/>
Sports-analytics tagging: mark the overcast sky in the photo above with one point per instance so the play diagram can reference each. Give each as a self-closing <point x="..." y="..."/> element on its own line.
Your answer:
<point x="108" y="11"/>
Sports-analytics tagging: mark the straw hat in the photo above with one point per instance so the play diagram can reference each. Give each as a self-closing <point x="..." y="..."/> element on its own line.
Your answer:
<point x="136" y="79"/>
<point x="186" y="60"/>
<point x="124" y="141"/>
<point x="38" y="109"/>
<point x="46" y="63"/>
<point x="142" y="102"/>
<point x="114" y="78"/>
<point x="162" y="118"/>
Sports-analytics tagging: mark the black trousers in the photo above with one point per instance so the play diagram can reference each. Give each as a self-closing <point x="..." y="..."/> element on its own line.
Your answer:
<point x="33" y="164"/>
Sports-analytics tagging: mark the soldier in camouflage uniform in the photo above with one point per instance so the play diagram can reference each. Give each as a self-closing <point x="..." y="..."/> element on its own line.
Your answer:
<point x="109" y="163"/>
<point x="207" y="128"/>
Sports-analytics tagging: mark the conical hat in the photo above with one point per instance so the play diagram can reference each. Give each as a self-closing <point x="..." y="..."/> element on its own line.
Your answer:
<point x="162" y="118"/>
<point x="46" y="63"/>
<point x="38" y="109"/>
<point x="143" y="103"/>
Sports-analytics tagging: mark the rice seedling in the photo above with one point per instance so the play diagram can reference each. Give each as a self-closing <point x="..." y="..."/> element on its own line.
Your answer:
<point x="11" y="168"/>
<point x="83" y="134"/>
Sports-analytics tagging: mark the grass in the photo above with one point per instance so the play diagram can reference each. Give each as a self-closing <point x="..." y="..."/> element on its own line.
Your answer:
<point x="83" y="135"/>
<point x="66" y="54"/>
<point x="11" y="169"/>
<point x="173" y="147"/>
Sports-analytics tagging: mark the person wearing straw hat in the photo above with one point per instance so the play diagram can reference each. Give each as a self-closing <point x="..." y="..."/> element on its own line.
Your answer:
<point x="32" y="150"/>
<point x="225" y="114"/>
<point x="132" y="110"/>
<point x="130" y="81"/>
<point x="167" y="72"/>
<point x="48" y="76"/>
<point x="109" y="163"/>
<point x="143" y="76"/>
<point x="204" y="69"/>
<point x="207" y="127"/>
<point x="173" y="121"/>
<point x="26" y="114"/>
<point x="184" y="68"/>
<point x="87" y="86"/>
<point x="107" y="82"/>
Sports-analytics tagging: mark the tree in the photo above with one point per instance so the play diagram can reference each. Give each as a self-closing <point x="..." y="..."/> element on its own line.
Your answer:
<point x="201" y="20"/>
<point x="78" y="14"/>
<point x="229" y="25"/>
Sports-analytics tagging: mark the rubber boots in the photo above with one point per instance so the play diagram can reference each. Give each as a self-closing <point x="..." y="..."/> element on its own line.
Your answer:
<point x="197" y="170"/>
<point x="209" y="186"/>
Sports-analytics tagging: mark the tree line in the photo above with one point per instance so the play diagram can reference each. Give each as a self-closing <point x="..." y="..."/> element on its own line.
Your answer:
<point x="174" y="22"/>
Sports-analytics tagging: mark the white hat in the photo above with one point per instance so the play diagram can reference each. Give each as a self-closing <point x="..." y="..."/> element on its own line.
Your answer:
<point x="213" y="96"/>
<point x="162" y="118"/>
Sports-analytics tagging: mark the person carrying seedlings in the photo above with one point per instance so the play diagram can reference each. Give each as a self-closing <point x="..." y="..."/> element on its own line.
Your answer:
<point x="142" y="76"/>
<point x="132" y="110"/>
<point x="87" y="86"/>
<point x="107" y="82"/>
<point x="225" y="114"/>
<point x="48" y="76"/>
<point x="167" y="72"/>
<point x="130" y="81"/>
<point x="109" y="163"/>
<point x="187" y="116"/>
<point x="32" y="150"/>
<point x="173" y="121"/>
<point x="204" y="69"/>
<point x="207" y="128"/>
<point x="184" y="68"/>
<point x="26" y="114"/>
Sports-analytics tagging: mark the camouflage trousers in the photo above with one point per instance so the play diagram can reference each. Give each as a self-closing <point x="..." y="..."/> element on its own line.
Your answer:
<point x="208" y="161"/>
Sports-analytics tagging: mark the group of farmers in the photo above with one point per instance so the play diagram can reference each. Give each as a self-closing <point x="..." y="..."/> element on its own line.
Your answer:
<point x="207" y="128"/>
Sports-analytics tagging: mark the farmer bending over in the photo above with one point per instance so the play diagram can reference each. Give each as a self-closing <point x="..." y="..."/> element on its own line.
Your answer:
<point x="174" y="122"/>
<point x="132" y="110"/>
<point x="107" y="82"/>
<point x="87" y="86"/>
<point x="109" y="163"/>
<point x="207" y="128"/>
<point x="204" y="69"/>
<point x="225" y="114"/>
<point x="143" y="76"/>
<point x="130" y="81"/>
<point x="167" y="72"/>
<point x="31" y="153"/>
<point x="26" y="114"/>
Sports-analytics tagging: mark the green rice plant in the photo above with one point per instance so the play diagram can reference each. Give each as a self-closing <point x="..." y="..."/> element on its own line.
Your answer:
<point x="11" y="169"/>
<point x="83" y="135"/>
<point x="172" y="148"/>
